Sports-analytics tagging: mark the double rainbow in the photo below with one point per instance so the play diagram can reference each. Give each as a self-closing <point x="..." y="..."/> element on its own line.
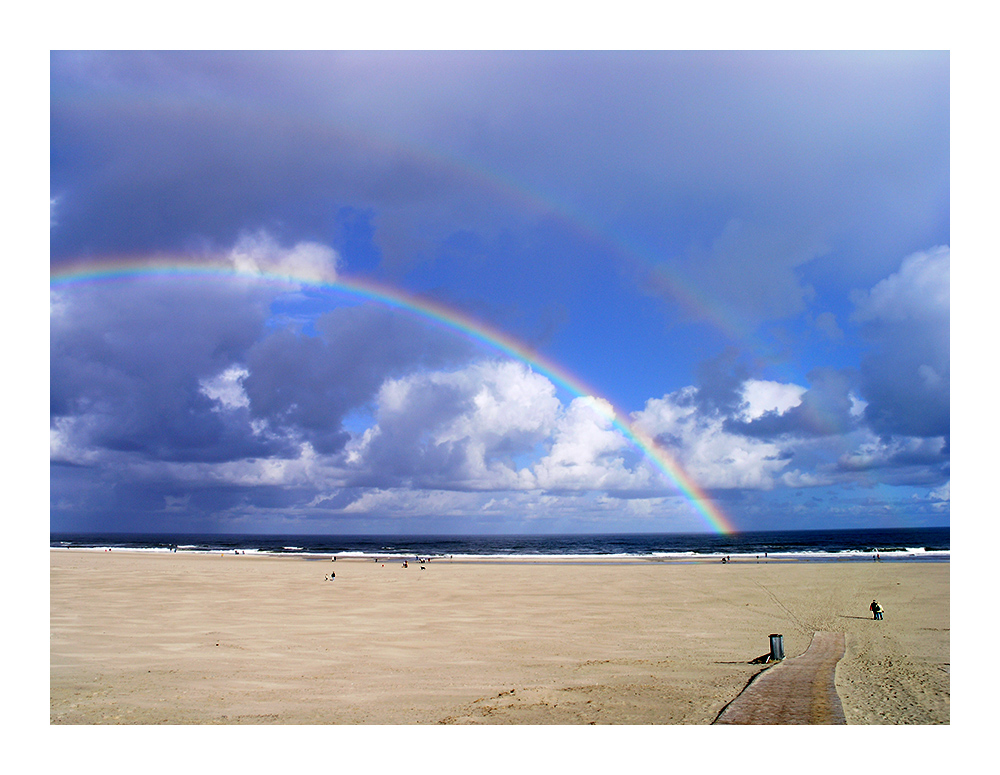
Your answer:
<point x="427" y="309"/>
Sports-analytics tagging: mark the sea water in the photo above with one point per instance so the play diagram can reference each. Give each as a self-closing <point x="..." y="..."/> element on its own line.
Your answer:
<point x="900" y="544"/>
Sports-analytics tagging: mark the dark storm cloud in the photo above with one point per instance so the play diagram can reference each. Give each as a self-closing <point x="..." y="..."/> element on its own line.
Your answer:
<point x="127" y="360"/>
<point x="118" y="500"/>
<point x="130" y="365"/>
<point x="742" y="170"/>
<point x="309" y="383"/>
<point x="153" y="178"/>
<point x="163" y="150"/>
<point x="906" y="377"/>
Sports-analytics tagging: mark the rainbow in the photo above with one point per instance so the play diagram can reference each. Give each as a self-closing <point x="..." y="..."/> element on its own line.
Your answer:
<point x="427" y="309"/>
<point x="129" y="96"/>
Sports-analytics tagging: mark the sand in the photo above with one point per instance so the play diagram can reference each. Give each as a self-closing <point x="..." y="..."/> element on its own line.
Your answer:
<point x="142" y="638"/>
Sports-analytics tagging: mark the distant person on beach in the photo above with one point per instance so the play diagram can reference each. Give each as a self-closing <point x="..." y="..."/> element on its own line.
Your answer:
<point x="876" y="609"/>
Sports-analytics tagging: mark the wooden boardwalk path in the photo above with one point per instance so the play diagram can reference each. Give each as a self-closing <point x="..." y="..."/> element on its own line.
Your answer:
<point x="800" y="690"/>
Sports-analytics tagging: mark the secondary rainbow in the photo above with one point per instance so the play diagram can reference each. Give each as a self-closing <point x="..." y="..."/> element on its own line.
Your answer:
<point x="428" y="309"/>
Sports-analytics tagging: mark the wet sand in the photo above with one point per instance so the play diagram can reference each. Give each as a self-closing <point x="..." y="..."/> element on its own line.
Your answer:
<point x="141" y="638"/>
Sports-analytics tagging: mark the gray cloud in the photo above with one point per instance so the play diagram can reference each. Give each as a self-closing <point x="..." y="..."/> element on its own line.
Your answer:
<point x="826" y="323"/>
<point x="899" y="453"/>
<point x="309" y="383"/>
<point x="745" y="163"/>
<point x="906" y="378"/>
<point x="720" y="383"/>
<point x="540" y="189"/>
<point x="127" y="359"/>
<point x="826" y="409"/>
<point x="749" y="270"/>
<point x="136" y="368"/>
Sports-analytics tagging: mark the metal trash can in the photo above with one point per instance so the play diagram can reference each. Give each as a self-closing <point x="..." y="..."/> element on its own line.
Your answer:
<point x="777" y="648"/>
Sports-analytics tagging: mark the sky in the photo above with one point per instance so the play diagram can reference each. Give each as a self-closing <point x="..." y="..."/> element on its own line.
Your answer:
<point x="499" y="292"/>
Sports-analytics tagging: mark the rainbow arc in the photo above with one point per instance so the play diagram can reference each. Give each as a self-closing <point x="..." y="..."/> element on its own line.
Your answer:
<point x="431" y="310"/>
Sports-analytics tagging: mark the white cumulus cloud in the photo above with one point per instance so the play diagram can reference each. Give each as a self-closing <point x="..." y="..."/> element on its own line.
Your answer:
<point x="260" y="253"/>
<point x="467" y="427"/>
<point x="760" y="396"/>
<point x="585" y="452"/>
<point x="704" y="449"/>
<point x="921" y="289"/>
<point x="227" y="388"/>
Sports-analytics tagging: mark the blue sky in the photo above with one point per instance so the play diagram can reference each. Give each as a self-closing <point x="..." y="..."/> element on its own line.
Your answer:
<point x="746" y="254"/>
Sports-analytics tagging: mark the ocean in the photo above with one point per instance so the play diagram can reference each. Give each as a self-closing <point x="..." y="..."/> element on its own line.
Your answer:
<point x="903" y="544"/>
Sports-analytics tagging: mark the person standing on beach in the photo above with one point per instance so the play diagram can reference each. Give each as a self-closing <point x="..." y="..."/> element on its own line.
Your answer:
<point x="876" y="609"/>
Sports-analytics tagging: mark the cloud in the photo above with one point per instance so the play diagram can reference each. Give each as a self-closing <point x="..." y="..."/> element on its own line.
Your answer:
<point x="918" y="292"/>
<point x="761" y="396"/>
<point x="300" y="467"/>
<point x="308" y="382"/>
<point x="895" y="453"/>
<point x="260" y="253"/>
<point x="467" y="429"/>
<point x="129" y="364"/>
<point x="227" y="388"/>
<point x="586" y="452"/>
<point x="906" y="376"/>
<point x="750" y="271"/>
<point x="169" y="146"/>
<point x="185" y="369"/>
<point x="827" y="407"/>
<point x="826" y="323"/>
<point x="942" y="493"/>
<point x="897" y="461"/>
<point x="703" y="447"/>
<point x="62" y="446"/>
<point x="498" y="426"/>
<point x="720" y="383"/>
<point x="538" y="191"/>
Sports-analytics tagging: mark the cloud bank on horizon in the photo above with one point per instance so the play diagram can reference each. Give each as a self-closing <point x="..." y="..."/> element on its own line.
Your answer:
<point x="745" y="254"/>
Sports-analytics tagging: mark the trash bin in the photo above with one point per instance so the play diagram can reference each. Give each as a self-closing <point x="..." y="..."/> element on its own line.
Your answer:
<point x="777" y="648"/>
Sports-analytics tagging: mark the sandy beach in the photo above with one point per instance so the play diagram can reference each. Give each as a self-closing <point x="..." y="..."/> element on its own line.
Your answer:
<point x="146" y="638"/>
